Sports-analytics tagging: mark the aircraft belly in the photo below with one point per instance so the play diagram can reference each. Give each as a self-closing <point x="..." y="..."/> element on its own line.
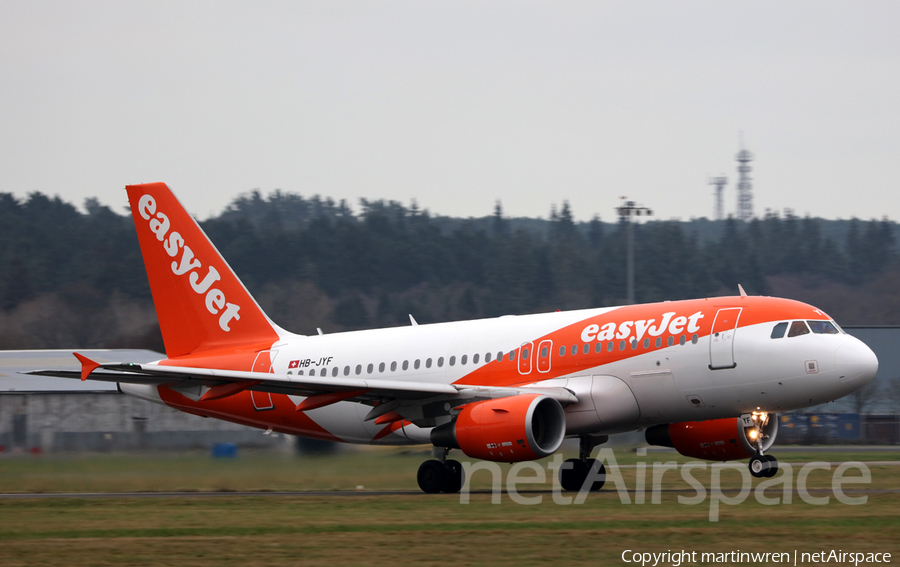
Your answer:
<point x="342" y="420"/>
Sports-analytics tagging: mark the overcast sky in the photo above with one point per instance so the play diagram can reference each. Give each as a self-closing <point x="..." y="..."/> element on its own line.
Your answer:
<point x="456" y="104"/>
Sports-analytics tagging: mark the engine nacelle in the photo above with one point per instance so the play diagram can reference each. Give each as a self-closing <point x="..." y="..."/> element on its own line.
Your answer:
<point x="715" y="439"/>
<point x="511" y="429"/>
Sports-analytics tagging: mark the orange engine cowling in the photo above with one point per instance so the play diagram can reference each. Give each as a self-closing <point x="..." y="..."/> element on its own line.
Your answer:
<point x="714" y="440"/>
<point x="511" y="429"/>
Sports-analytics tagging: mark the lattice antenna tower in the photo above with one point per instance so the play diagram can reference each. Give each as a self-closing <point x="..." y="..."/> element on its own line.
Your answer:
<point x="720" y="183"/>
<point x="744" y="187"/>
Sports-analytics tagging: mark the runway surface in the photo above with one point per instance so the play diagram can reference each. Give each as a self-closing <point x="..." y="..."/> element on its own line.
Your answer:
<point x="416" y="492"/>
<point x="347" y="493"/>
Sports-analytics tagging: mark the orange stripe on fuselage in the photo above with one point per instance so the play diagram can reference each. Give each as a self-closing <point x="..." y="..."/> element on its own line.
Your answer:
<point x="645" y="322"/>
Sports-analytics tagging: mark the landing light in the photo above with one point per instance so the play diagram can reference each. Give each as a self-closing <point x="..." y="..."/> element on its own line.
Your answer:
<point x="759" y="417"/>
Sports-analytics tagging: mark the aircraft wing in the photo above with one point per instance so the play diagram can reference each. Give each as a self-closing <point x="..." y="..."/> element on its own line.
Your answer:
<point x="325" y="390"/>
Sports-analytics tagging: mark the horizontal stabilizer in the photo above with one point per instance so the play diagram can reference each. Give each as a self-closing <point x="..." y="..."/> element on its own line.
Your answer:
<point x="87" y="365"/>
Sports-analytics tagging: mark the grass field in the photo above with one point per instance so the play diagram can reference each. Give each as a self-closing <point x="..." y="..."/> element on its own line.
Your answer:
<point x="411" y="528"/>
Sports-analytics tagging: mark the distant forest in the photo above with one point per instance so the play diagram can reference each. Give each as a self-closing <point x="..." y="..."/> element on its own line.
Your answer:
<point x="72" y="279"/>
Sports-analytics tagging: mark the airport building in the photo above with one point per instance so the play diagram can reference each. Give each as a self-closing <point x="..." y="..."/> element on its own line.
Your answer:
<point x="45" y="414"/>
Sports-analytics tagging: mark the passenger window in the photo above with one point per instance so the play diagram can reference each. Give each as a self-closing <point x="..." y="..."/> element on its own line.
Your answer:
<point x="299" y="373"/>
<point x="621" y="345"/>
<point x="822" y="327"/>
<point x="428" y="363"/>
<point x="475" y="358"/>
<point x="598" y="347"/>
<point x="416" y="364"/>
<point x="440" y="361"/>
<point x="312" y="372"/>
<point x="778" y="331"/>
<point x="511" y="356"/>
<point x="381" y="367"/>
<point x="562" y="351"/>
<point x="405" y="365"/>
<point x="682" y="340"/>
<point x="586" y="348"/>
<point x="525" y="353"/>
<point x="500" y="356"/>
<point x="346" y="371"/>
<point x="646" y="343"/>
<point x="658" y="342"/>
<point x="574" y="350"/>
<point x="487" y="357"/>
<point x="695" y="338"/>
<point x="370" y="368"/>
<point x="452" y="361"/>
<point x="544" y="352"/>
<point x="670" y="341"/>
<point x="610" y="346"/>
<point x="464" y="359"/>
<point x="634" y="344"/>
<point x="394" y="366"/>
<point x="334" y="371"/>
<point x="358" y="369"/>
<point x="290" y="372"/>
<point x="798" y="328"/>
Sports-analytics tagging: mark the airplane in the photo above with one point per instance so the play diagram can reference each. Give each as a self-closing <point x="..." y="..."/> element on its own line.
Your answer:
<point x="706" y="376"/>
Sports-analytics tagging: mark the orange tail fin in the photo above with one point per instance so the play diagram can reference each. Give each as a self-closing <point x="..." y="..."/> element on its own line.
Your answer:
<point x="200" y="302"/>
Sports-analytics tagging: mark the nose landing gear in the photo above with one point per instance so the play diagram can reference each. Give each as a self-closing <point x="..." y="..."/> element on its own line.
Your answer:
<point x="441" y="474"/>
<point x="574" y="473"/>
<point x="761" y="466"/>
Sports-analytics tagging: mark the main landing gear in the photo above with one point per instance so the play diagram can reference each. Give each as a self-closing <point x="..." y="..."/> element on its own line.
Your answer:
<point x="761" y="466"/>
<point x="575" y="473"/>
<point x="441" y="474"/>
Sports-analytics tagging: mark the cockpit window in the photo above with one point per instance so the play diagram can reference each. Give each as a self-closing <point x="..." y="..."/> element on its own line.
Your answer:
<point x="822" y="327"/>
<point x="798" y="328"/>
<point x="778" y="331"/>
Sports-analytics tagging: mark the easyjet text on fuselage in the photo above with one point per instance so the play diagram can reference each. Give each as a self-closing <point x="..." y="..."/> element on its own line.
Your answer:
<point x="636" y="329"/>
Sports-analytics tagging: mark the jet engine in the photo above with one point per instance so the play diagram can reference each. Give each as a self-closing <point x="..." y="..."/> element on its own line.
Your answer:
<point x="717" y="439"/>
<point x="511" y="429"/>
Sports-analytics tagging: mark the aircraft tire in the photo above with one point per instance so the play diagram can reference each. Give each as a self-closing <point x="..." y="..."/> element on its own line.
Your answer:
<point x="773" y="466"/>
<point x="432" y="476"/>
<point x="759" y="466"/>
<point x="455" y="477"/>
<point x="571" y="478"/>
<point x="601" y="472"/>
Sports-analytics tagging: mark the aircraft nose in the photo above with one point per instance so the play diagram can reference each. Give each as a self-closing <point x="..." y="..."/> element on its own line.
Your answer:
<point x="856" y="363"/>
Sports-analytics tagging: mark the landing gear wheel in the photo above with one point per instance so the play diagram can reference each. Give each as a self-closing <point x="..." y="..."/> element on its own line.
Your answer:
<point x="432" y="476"/>
<point x="773" y="466"/>
<point x="759" y="466"/>
<point x="572" y="475"/>
<point x="595" y="469"/>
<point x="455" y="477"/>
<point x="572" y="478"/>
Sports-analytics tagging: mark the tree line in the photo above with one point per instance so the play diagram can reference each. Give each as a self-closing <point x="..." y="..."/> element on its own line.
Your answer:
<point x="77" y="276"/>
